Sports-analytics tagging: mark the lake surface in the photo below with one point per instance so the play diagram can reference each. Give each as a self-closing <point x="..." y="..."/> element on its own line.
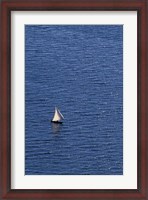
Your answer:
<point x="79" y="69"/>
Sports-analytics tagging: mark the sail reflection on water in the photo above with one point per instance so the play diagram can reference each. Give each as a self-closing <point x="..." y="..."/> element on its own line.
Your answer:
<point x="56" y="127"/>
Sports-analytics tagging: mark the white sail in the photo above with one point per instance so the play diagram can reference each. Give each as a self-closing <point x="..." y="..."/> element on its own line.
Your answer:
<point x="57" y="115"/>
<point x="62" y="117"/>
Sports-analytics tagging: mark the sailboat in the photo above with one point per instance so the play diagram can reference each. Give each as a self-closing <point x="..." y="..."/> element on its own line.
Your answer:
<point x="58" y="117"/>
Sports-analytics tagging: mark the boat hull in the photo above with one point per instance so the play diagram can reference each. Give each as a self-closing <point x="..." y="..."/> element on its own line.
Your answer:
<point x="56" y="122"/>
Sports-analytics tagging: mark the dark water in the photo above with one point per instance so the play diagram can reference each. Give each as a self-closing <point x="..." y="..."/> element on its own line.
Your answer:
<point x="79" y="69"/>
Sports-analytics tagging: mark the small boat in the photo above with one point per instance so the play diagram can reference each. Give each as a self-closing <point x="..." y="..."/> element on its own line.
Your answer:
<point x="58" y="117"/>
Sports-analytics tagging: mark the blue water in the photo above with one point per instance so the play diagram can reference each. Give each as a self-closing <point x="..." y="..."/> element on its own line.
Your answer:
<point x="79" y="69"/>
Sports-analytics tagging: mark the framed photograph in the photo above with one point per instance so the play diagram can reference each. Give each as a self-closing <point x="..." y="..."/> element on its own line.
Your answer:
<point x="74" y="99"/>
